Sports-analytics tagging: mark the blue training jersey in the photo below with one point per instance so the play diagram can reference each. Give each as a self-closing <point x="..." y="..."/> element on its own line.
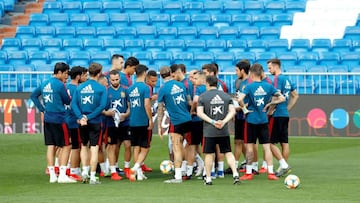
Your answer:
<point x="90" y="99"/>
<point x="136" y="95"/>
<point x="198" y="91"/>
<point x="71" y="119"/>
<point x="125" y="80"/>
<point x="173" y="95"/>
<point x="258" y="94"/>
<point x="54" y="97"/>
<point x="116" y="100"/>
<point x="284" y="85"/>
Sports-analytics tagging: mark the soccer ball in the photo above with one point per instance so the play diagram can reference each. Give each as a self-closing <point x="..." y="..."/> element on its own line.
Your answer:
<point x="166" y="166"/>
<point x="292" y="181"/>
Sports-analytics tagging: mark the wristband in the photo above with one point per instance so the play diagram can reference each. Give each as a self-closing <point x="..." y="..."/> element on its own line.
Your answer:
<point x="212" y="122"/>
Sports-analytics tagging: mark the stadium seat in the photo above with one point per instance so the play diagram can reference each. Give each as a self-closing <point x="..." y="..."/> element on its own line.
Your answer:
<point x="316" y="72"/>
<point x="172" y="6"/>
<point x="325" y="87"/>
<point x="25" y="32"/>
<point x="288" y="59"/>
<point x="52" y="7"/>
<point x="99" y="19"/>
<point x="241" y="20"/>
<point x="112" y="6"/>
<point x="233" y="7"/>
<point x="29" y="85"/>
<point x="65" y="32"/>
<point x="207" y="33"/>
<point x="113" y="45"/>
<point x="293" y="69"/>
<point x="181" y="19"/>
<point x="145" y="57"/>
<point x="139" y="19"/>
<point x="146" y="32"/>
<point x="262" y="20"/>
<point x="17" y="57"/>
<point x="350" y="58"/>
<point x="58" y="56"/>
<point x="43" y="32"/>
<point x="321" y="45"/>
<point x="183" y="57"/>
<point x="278" y="45"/>
<point x="187" y="33"/>
<point x="195" y="45"/>
<point x="268" y="33"/>
<point x="222" y="20"/>
<point x="340" y="72"/>
<point x="160" y="19"/>
<point x="85" y="32"/>
<point x="92" y="7"/>
<point x="162" y="58"/>
<point x="236" y="46"/>
<point x="201" y="20"/>
<point x="119" y="19"/>
<point x="329" y="58"/>
<point x="154" y="45"/>
<point x="263" y="57"/>
<point x="274" y="7"/>
<point x="10" y="86"/>
<point x="228" y="32"/>
<point x="201" y="58"/>
<point x="38" y="57"/>
<point x="166" y="32"/>
<point x="213" y="7"/>
<point x="93" y="45"/>
<point x="153" y="6"/>
<point x="356" y="45"/>
<point x="249" y="33"/>
<point x="133" y="45"/>
<point x="107" y="32"/>
<point x="11" y="44"/>
<point x="348" y="87"/>
<point x="305" y="86"/>
<point x="72" y="7"/>
<point x="193" y="7"/>
<point x="253" y="7"/>
<point x="101" y="57"/>
<point x="44" y="68"/>
<point x="256" y="45"/>
<point x="225" y="61"/>
<point x="282" y="19"/>
<point x="308" y="58"/>
<point x="79" y="19"/>
<point x="216" y="45"/>
<point x="352" y="32"/>
<point x="176" y="45"/>
<point x="295" y="6"/>
<point x="245" y="55"/>
<point x="58" y="19"/>
<point x="132" y="6"/>
<point x="3" y="58"/>
<point x="72" y="44"/>
<point x="300" y="45"/>
<point x="342" y="45"/>
<point x="38" y="19"/>
<point x="30" y="44"/>
<point x="79" y="58"/>
<point x="51" y="45"/>
<point x="126" y="32"/>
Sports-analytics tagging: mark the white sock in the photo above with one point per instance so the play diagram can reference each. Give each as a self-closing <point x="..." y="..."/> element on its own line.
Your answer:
<point x="85" y="170"/>
<point x="52" y="171"/>
<point x="73" y="171"/>
<point x="236" y="164"/>
<point x="208" y="179"/>
<point x="113" y="169"/>
<point x="243" y="162"/>
<point x="107" y="163"/>
<point x="264" y="164"/>
<point x="270" y="169"/>
<point x="139" y="172"/>
<point x="249" y="169"/>
<point x="92" y="175"/>
<point x="126" y="164"/>
<point x="178" y="173"/>
<point x="189" y="170"/>
<point x="183" y="166"/>
<point x="56" y="162"/>
<point x="103" y="167"/>
<point x="255" y="166"/>
<point x="212" y="168"/>
<point x="283" y="163"/>
<point x="62" y="171"/>
<point x="220" y="166"/>
<point x="199" y="160"/>
<point x="116" y="164"/>
<point x="235" y="174"/>
<point x="136" y="167"/>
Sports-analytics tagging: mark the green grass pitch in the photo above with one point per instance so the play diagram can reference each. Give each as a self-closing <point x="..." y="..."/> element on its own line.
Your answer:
<point x="328" y="169"/>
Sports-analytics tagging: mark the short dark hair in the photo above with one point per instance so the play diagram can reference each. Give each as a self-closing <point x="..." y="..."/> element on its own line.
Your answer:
<point x="165" y="72"/>
<point x="61" y="67"/>
<point x="116" y="56"/>
<point x="210" y="67"/>
<point x="114" y="72"/>
<point x="75" y="71"/>
<point x="257" y="69"/>
<point x="140" y="69"/>
<point x="174" y="68"/>
<point x="212" y="80"/>
<point x="94" y="69"/>
<point x="131" y="61"/>
<point x="151" y="73"/>
<point x="182" y="67"/>
<point x="244" y="65"/>
<point x="274" y="61"/>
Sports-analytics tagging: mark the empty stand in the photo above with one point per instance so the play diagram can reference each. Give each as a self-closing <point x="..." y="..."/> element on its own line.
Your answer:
<point x="30" y="44"/>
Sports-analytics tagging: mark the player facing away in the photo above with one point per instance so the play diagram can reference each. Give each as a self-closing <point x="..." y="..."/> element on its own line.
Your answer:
<point x="128" y="71"/>
<point x="280" y="117"/>
<point x="216" y="109"/>
<point x="141" y="124"/>
<point x="87" y="104"/>
<point x="173" y="96"/>
<point x="56" y="133"/>
<point x="258" y="94"/>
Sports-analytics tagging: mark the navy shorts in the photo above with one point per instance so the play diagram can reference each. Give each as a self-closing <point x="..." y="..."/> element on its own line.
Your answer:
<point x="196" y="135"/>
<point x="239" y="129"/>
<point x="118" y="134"/>
<point x="257" y="131"/>
<point x="91" y="133"/>
<point x="209" y="144"/>
<point x="182" y="128"/>
<point x="279" y="131"/>
<point x="56" y="134"/>
<point x="140" y="136"/>
<point x="75" y="138"/>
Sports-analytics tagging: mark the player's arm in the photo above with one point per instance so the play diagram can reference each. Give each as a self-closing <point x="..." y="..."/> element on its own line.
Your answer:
<point x="294" y="96"/>
<point x="35" y="98"/>
<point x="200" y="113"/>
<point x="75" y="106"/>
<point x="276" y="99"/>
<point x="231" y="113"/>
<point x="65" y="97"/>
<point x="147" y="105"/>
<point x="160" y="113"/>
<point x="194" y="105"/>
<point x="99" y="109"/>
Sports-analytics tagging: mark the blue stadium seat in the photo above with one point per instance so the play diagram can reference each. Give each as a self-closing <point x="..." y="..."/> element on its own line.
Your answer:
<point x="29" y="85"/>
<point x="30" y="44"/>
<point x="113" y="45"/>
<point x="162" y="58"/>
<point x="295" y="6"/>
<point x="72" y="7"/>
<point x="146" y="32"/>
<point x="79" y="19"/>
<point x="119" y="19"/>
<point x="304" y="86"/>
<point x="350" y="58"/>
<point x="278" y="45"/>
<point x="139" y="19"/>
<point x="195" y="45"/>
<point x="225" y="61"/>
<point x="254" y="7"/>
<point x="268" y="33"/>
<point x="201" y="58"/>
<point x="99" y="19"/>
<point x="10" y="86"/>
<point x="107" y="32"/>
<point x="17" y="57"/>
<point x="176" y="45"/>
<point x="274" y="7"/>
<point x="44" y="68"/>
<point x="193" y="7"/>
<point x="338" y="69"/>
<point x="293" y="69"/>
<point x="38" y="19"/>
<point x="38" y="57"/>
<point x="43" y="32"/>
<point x="51" y="45"/>
<point x="181" y="19"/>
<point x="187" y="33"/>
<point x="160" y="19"/>
<point x="355" y="70"/>
<point x="213" y="7"/>
<point x="152" y="6"/>
<point x="228" y="32"/>
<point x="216" y="45"/>
<point x="25" y="32"/>
<point x="92" y="7"/>
<point x="321" y="45"/>
<point x="245" y="55"/>
<point x="79" y="58"/>
<point x="207" y="33"/>
<point x="236" y="45"/>
<point x="93" y="45"/>
<point x="132" y="7"/>
<point x="282" y="19"/>
<point x="112" y="6"/>
<point x="11" y="44"/>
<point x="185" y="58"/>
<point x="52" y="7"/>
<point x="145" y="57"/>
<point x="342" y="45"/>
<point x="300" y="45"/>
<point x="288" y="59"/>
<point x="325" y="87"/>
<point x="126" y="32"/>
<point x="58" y="19"/>
<point x="154" y="45"/>
<point x="308" y="58"/>
<point x="317" y="71"/>
<point x="72" y="44"/>
<point x="133" y="45"/>
<point x="167" y="32"/>
<point x="241" y="20"/>
<point x="172" y="6"/>
<point x="263" y="57"/>
<point x="101" y="57"/>
<point x="356" y="45"/>
<point x="65" y="32"/>
<point x="3" y="58"/>
<point x="352" y="32"/>
<point x="58" y="56"/>
<point x="201" y="20"/>
<point x="329" y="58"/>
<point x="348" y="87"/>
<point x="233" y="7"/>
<point x="249" y="33"/>
<point x="222" y="20"/>
<point x="262" y="20"/>
<point x="85" y="32"/>
<point x="6" y="76"/>
<point x="256" y="45"/>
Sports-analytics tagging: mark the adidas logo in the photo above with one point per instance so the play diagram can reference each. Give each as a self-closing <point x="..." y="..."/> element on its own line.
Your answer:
<point x="260" y="92"/>
<point x="134" y="93"/>
<point x="287" y="85"/>
<point x="176" y="89"/>
<point x="216" y="100"/>
<point x="48" y="88"/>
<point x="87" y="89"/>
